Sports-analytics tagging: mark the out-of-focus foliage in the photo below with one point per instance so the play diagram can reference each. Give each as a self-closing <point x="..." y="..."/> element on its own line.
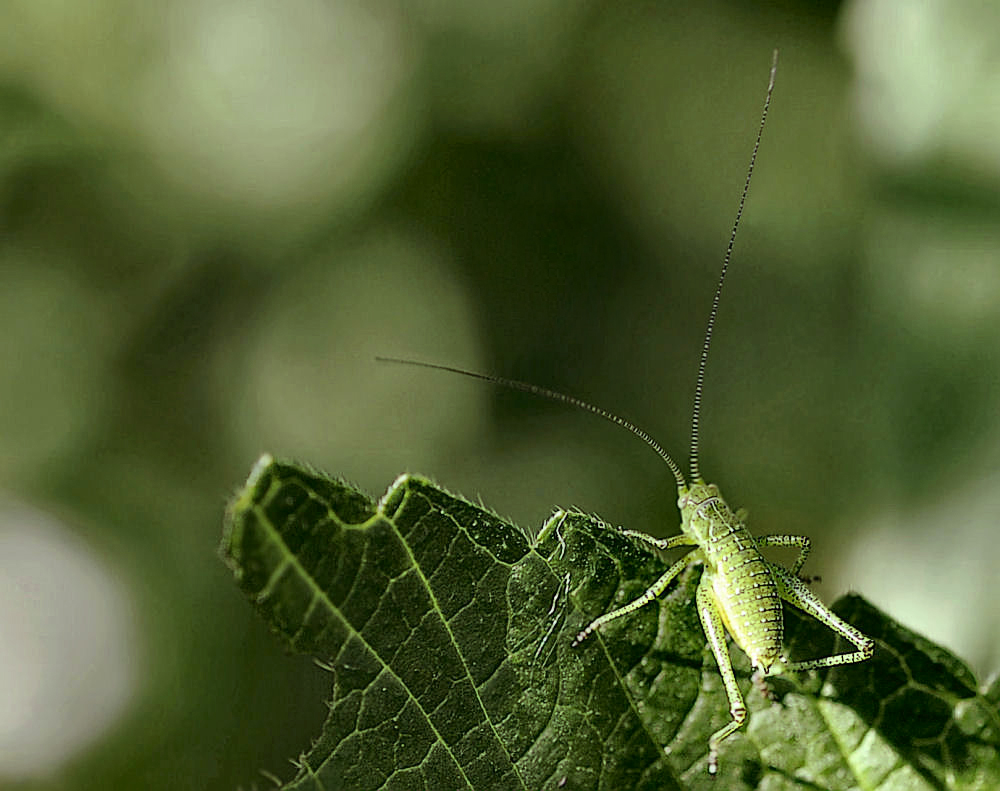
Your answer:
<point x="214" y="214"/>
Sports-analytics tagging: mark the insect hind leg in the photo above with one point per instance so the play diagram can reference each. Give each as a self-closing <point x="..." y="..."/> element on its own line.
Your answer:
<point x="796" y="593"/>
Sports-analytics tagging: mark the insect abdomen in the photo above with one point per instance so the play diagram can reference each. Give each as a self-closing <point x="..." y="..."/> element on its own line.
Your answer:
<point x="747" y="596"/>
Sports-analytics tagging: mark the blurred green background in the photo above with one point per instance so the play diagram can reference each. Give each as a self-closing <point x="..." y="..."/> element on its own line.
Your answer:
<point x="215" y="214"/>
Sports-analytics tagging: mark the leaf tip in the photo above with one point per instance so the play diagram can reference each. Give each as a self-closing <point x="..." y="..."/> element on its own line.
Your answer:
<point x="242" y="502"/>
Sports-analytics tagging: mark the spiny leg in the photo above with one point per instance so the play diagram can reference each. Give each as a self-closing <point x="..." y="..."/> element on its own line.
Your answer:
<point x="795" y="592"/>
<point x="679" y="540"/>
<point x="711" y="622"/>
<point x="802" y="542"/>
<point x="651" y="593"/>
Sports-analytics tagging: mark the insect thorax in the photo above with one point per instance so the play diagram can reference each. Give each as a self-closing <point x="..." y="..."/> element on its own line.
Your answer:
<point x="720" y="532"/>
<point x="705" y="515"/>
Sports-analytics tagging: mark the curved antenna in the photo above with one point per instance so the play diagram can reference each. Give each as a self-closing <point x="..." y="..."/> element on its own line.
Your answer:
<point x="700" y="385"/>
<point x="525" y="387"/>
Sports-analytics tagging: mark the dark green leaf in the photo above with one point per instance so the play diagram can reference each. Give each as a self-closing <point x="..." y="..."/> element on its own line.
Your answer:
<point x="448" y="632"/>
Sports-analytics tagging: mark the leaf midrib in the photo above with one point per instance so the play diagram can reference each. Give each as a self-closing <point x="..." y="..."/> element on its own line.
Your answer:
<point x="320" y="594"/>
<point x="447" y="627"/>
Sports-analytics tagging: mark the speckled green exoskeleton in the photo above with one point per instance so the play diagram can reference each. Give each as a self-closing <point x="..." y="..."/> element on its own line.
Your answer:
<point x="740" y="592"/>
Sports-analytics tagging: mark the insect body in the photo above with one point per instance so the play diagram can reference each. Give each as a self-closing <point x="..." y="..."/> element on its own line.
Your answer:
<point x="740" y="591"/>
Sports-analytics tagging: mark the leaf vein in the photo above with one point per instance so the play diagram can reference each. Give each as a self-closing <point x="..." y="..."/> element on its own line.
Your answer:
<point x="306" y="577"/>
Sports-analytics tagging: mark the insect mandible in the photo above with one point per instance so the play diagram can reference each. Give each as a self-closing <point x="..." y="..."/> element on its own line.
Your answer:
<point x="740" y="592"/>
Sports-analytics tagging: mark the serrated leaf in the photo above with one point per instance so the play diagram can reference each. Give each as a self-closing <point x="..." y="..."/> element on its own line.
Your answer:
<point x="448" y="632"/>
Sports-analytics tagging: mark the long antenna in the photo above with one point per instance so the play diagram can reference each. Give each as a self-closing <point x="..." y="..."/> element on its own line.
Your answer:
<point x="700" y="386"/>
<point x="525" y="387"/>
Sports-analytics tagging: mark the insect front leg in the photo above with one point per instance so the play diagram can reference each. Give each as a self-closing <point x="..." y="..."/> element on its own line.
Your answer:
<point x="651" y="593"/>
<point x="679" y="540"/>
<point x="711" y="622"/>
<point x="802" y="542"/>
<point x="796" y="593"/>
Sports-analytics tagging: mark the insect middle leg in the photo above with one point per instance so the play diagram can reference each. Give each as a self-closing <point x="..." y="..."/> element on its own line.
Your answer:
<point x="651" y="593"/>
<point x="802" y="542"/>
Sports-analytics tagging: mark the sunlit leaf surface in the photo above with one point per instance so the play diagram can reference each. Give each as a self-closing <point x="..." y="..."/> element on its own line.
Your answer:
<point x="448" y="633"/>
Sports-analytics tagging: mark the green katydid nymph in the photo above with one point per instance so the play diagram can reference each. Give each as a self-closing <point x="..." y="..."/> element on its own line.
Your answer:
<point x="740" y="592"/>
